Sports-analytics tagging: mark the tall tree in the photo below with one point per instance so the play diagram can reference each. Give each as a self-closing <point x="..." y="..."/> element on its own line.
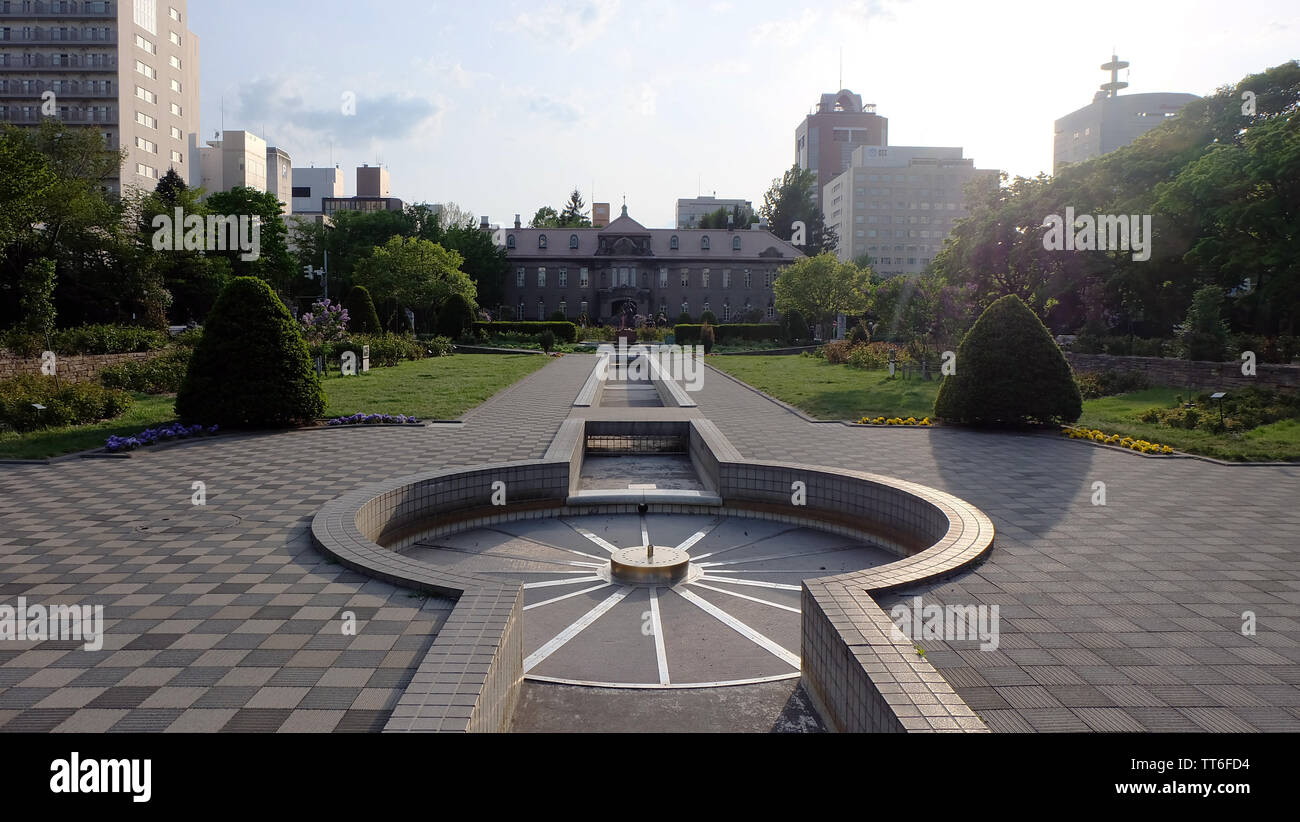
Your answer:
<point x="414" y="273"/>
<point x="573" y="215"/>
<point x="274" y="263"/>
<point x="791" y="199"/>
<point x="820" y="287"/>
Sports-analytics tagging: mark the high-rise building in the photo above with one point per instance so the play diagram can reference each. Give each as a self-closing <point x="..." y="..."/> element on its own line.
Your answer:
<point x="599" y="215"/>
<point x="372" y="181"/>
<point x="897" y="204"/>
<point x="690" y="210"/>
<point x="827" y="137"/>
<point x="372" y="194"/>
<point x="127" y="68"/>
<point x="1111" y="121"/>
<point x="237" y="158"/>
<point x="312" y="184"/>
<point x="279" y="177"/>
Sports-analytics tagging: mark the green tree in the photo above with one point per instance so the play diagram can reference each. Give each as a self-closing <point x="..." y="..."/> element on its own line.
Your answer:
<point x="454" y="316"/>
<point x="820" y="287"/>
<point x="37" y="299"/>
<point x="251" y="368"/>
<point x="1204" y="334"/>
<point x="414" y="272"/>
<point x="735" y="217"/>
<point x="193" y="278"/>
<point x="274" y="263"/>
<point x="573" y="215"/>
<point x="1009" y="370"/>
<point x="792" y="198"/>
<point x="362" y="317"/>
<point x="546" y="217"/>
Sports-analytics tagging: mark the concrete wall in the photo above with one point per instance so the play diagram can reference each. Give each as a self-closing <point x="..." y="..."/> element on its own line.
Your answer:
<point x="1189" y="373"/>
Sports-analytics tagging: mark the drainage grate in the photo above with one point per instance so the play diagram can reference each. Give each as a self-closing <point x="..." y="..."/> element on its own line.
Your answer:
<point x="637" y="444"/>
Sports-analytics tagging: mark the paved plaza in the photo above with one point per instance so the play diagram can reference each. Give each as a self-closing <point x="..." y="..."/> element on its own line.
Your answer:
<point x="1123" y="617"/>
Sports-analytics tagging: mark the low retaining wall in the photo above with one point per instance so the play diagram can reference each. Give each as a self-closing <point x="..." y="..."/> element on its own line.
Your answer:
<point x="1190" y="373"/>
<point x="71" y="367"/>
<point x="858" y="674"/>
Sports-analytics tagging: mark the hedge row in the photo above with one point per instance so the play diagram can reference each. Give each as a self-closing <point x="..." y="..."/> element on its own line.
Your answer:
<point x="85" y="339"/>
<point x="689" y="334"/>
<point x="65" y="403"/>
<point x="565" y="332"/>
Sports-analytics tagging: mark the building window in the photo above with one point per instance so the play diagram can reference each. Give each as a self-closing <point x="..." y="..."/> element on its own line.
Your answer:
<point x="510" y="241"/>
<point x="174" y="62"/>
<point x="672" y="244"/>
<point x="686" y="307"/>
<point x="145" y="171"/>
<point x="541" y="241"/>
<point x="175" y="109"/>
<point x="573" y="241"/>
<point x="735" y="243"/>
<point x="173" y="14"/>
<point x="146" y="145"/>
<point x="519" y="315"/>
<point x="726" y="278"/>
<point x="541" y="311"/>
<point x="582" y="307"/>
<point x="686" y="278"/>
<point x="704" y="243"/>
<point x="564" y="308"/>
<point x="704" y="278"/>
<point x="564" y="280"/>
<point x="663" y="278"/>
<point x="177" y="158"/>
<point x="144" y="94"/>
<point x="145" y="69"/>
<point x="704" y="307"/>
<point x="519" y="277"/>
<point x="582" y="279"/>
<point x="747" y="280"/>
<point x="771" y="312"/>
<point x="175" y="38"/>
<point x="175" y="86"/>
<point x="541" y="278"/>
<point x="726" y="313"/>
<point x="144" y="44"/>
<point x="176" y="135"/>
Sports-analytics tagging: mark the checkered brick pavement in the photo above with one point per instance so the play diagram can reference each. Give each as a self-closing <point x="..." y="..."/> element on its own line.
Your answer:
<point x="1125" y="617"/>
<point x="223" y="617"/>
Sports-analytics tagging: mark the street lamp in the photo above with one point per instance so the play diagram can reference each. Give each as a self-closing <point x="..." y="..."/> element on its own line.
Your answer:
<point x="1219" y="396"/>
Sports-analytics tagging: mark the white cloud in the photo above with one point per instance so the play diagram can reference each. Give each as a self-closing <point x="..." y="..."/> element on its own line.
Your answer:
<point x="788" y="32"/>
<point x="573" y="23"/>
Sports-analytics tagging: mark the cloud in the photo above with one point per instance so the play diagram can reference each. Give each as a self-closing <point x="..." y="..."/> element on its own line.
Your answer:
<point x="646" y="101"/>
<point x="377" y="115"/>
<point x="550" y="108"/>
<point x="790" y="32"/>
<point x="572" y="23"/>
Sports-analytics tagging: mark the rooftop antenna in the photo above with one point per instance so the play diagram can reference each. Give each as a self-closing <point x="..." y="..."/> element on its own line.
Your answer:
<point x="1112" y="88"/>
<point x="223" y="113"/>
<point x="841" y="85"/>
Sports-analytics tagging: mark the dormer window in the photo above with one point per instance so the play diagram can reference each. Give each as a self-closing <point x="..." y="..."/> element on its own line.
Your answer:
<point x="672" y="244"/>
<point x="704" y="242"/>
<point x="510" y="241"/>
<point x="735" y="243"/>
<point x="541" y="241"/>
<point x="573" y="241"/>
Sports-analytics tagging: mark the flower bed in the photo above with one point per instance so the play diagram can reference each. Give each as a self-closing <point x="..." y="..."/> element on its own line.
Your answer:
<point x="374" y="419"/>
<point x="1115" y="439"/>
<point x="895" y="421"/>
<point x="149" y="436"/>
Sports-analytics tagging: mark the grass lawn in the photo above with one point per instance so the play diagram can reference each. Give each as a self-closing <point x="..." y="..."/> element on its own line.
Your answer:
<point x="840" y="392"/>
<point x="147" y="411"/>
<point x="1119" y="415"/>
<point x="832" y="392"/>
<point x="436" y="388"/>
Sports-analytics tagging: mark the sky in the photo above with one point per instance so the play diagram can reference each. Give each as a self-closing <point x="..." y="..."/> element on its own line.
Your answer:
<point x="503" y="107"/>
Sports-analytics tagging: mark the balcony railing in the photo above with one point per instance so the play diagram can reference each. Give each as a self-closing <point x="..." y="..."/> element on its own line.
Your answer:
<point x="74" y="62"/>
<point x="75" y="118"/>
<point x="21" y="9"/>
<point x="45" y="37"/>
<point x="12" y="89"/>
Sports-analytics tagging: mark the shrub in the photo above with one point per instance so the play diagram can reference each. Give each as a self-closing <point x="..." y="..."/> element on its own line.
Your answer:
<point x="1009" y="370"/>
<point x="837" y="352"/>
<point x="66" y="403"/>
<point x="1204" y="334"/>
<point x="564" y="332"/>
<point x="158" y="375"/>
<point x="684" y="318"/>
<point x="252" y="367"/>
<point x="864" y="356"/>
<point x="1094" y="384"/>
<point x="454" y="316"/>
<point x="859" y="334"/>
<point x="439" y="347"/>
<point x="729" y="333"/>
<point x="546" y="340"/>
<point x="85" y="339"/>
<point x="706" y="338"/>
<point x="708" y="318"/>
<point x="558" y="317"/>
<point x="385" y="349"/>
<point x="793" y="326"/>
<point x="362" y="316"/>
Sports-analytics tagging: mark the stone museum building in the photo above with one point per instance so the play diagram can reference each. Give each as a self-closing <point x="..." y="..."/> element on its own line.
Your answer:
<point x="628" y="268"/>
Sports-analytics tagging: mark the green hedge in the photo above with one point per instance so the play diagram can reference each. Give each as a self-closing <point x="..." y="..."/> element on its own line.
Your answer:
<point x="66" y="403"/>
<point x="86" y="339"/>
<point x="564" y="332"/>
<point x="689" y="334"/>
<point x="159" y="375"/>
<point x="385" y="349"/>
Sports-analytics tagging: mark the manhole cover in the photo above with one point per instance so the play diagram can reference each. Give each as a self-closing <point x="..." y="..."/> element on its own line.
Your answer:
<point x="188" y="523"/>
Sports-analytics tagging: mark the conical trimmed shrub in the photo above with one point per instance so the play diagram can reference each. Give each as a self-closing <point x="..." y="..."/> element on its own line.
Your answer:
<point x="1009" y="370"/>
<point x="251" y="368"/>
<point x="362" y="316"/>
